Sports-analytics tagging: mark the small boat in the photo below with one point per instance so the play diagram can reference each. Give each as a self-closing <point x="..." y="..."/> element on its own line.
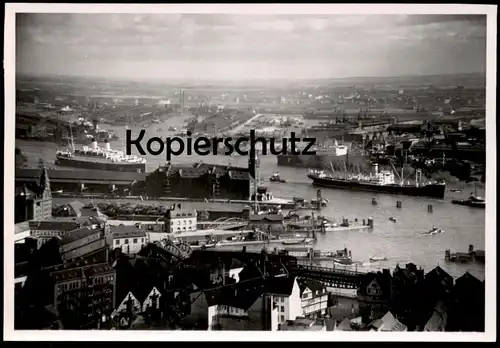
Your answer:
<point x="433" y="230"/>
<point x="277" y="178"/>
<point x="378" y="258"/>
<point x="473" y="201"/>
<point x="393" y="219"/>
<point x="172" y="129"/>
<point x="295" y="242"/>
<point x="455" y="190"/>
<point x="330" y="226"/>
<point x="343" y="261"/>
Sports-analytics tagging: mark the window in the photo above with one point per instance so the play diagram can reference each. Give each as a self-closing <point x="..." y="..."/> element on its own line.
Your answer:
<point x="189" y="228"/>
<point x="126" y="241"/>
<point x="135" y="240"/>
<point x="282" y="308"/>
<point x="142" y="240"/>
<point x="190" y="222"/>
<point x="282" y="318"/>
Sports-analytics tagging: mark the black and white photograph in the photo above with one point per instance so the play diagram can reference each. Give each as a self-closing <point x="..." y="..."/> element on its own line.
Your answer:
<point x="250" y="168"/>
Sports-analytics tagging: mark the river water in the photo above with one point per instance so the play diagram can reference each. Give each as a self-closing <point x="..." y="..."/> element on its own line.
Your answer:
<point x="401" y="242"/>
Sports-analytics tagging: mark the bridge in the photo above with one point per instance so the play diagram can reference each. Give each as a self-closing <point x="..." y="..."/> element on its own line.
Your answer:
<point x="334" y="277"/>
<point x="223" y="223"/>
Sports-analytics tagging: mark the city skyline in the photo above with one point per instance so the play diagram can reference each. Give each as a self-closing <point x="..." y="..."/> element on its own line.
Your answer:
<point x="246" y="47"/>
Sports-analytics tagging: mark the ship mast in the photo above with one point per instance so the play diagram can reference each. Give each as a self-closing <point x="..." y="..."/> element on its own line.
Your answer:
<point x="71" y="138"/>
<point x="346" y="164"/>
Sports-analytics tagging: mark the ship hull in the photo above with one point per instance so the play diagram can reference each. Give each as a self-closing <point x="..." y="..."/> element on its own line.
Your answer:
<point x="318" y="161"/>
<point x="431" y="190"/>
<point x="106" y="166"/>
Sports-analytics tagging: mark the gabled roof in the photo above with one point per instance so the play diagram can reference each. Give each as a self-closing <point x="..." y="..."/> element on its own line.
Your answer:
<point x="345" y="325"/>
<point x="390" y="323"/>
<point x="77" y="207"/>
<point x="310" y="284"/>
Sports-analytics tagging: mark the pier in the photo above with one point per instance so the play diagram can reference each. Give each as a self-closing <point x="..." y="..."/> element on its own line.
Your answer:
<point x="462" y="257"/>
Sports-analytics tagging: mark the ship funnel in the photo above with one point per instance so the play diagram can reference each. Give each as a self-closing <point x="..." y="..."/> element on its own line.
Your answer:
<point x="94" y="144"/>
<point x="108" y="145"/>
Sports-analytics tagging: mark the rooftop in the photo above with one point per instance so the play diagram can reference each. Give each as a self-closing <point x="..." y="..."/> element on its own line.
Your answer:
<point x="77" y="234"/>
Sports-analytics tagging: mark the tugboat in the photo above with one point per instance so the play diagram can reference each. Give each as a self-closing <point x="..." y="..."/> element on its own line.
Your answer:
<point x="393" y="219"/>
<point x="342" y="257"/>
<point x="378" y="258"/>
<point x="473" y="201"/>
<point x="277" y="178"/>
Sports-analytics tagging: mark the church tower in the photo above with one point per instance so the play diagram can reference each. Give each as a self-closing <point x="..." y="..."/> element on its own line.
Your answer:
<point x="43" y="200"/>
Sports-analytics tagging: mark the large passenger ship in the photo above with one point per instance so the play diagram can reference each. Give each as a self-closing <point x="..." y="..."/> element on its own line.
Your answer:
<point x="97" y="158"/>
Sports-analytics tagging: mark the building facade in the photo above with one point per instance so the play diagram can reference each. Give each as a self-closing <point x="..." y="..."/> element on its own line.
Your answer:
<point x="180" y="218"/>
<point x="83" y="294"/>
<point x="314" y="298"/>
<point x="129" y="241"/>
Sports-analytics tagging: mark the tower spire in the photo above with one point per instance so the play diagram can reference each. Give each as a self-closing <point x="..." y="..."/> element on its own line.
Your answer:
<point x="44" y="182"/>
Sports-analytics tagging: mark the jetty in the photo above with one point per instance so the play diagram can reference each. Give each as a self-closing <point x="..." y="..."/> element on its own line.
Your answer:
<point x="462" y="257"/>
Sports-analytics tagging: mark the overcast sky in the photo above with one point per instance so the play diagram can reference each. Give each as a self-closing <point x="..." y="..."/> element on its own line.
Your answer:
<point x="207" y="46"/>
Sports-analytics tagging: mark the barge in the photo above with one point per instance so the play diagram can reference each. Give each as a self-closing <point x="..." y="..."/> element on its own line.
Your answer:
<point x="473" y="201"/>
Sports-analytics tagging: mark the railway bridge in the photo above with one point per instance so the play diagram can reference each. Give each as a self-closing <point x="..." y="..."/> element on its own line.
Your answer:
<point x="334" y="277"/>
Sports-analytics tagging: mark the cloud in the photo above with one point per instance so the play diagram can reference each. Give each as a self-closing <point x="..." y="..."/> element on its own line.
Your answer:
<point x="144" y="38"/>
<point x="431" y="19"/>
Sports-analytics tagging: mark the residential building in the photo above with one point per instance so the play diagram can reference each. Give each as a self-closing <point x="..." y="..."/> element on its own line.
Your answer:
<point x="303" y="324"/>
<point x="387" y="323"/>
<point x="180" y="218"/>
<point x="287" y="298"/>
<point x="467" y="307"/>
<point x="374" y="294"/>
<point x="129" y="239"/>
<point x="34" y="202"/>
<point x="241" y="306"/>
<point x="83" y="294"/>
<point x="314" y="297"/>
<point x="407" y="290"/>
<point x="80" y="242"/>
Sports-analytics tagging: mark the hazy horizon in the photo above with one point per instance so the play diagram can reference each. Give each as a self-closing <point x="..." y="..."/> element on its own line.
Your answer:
<point x="208" y="47"/>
